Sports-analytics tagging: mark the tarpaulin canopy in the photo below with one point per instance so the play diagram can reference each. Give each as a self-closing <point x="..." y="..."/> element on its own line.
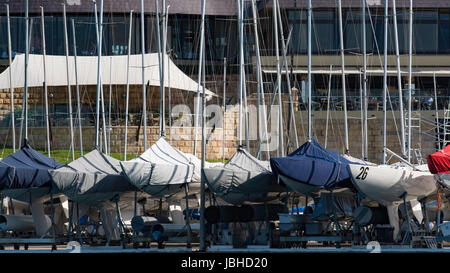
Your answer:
<point x="91" y="179"/>
<point x="162" y="169"/>
<point x="243" y="178"/>
<point x="24" y="174"/>
<point x="113" y="71"/>
<point x="439" y="162"/>
<point x="314" y="166"/>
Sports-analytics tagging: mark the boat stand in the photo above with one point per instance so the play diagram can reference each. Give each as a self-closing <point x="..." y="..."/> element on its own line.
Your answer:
<point x="408" y="235"/>
<point x="116" y="199"/>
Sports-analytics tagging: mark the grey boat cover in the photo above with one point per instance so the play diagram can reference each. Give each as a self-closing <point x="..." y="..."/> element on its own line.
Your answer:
<point x="243" y="178"/>
<point x="24" y="174"/>
<point x="91" y="179"/>
<point x="162" y="169"/>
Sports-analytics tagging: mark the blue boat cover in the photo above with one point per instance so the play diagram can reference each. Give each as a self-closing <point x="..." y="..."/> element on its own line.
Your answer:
<point x="26" y="169"/>
<point x="314" y="165"/>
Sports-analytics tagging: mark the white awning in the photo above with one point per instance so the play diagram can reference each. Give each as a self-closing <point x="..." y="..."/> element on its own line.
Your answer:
<point x="87" y="72"/>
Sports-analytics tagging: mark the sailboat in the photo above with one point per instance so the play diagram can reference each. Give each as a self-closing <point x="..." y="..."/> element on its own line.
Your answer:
<point x="391" y="185"/>
<point x="244" y="178"/>
<point x="162" y="170"/>
<point x="439" y="164"/>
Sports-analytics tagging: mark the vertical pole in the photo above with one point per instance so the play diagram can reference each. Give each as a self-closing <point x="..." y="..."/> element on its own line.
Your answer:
<point x="44" y="53"/>
<point x="224" y="106"/>
<point x="309" y="72"/>
<point x="99" y="30"/>
<point x="383" y="157"/>
<point x="11" y="89"/>
<point x="163" y="53"/>
<point x="24" y="115"/>
<point x="277" y="56"/>
<point x="80" y="131"/>
<point x="169" y="94"/>
<point x="128" y="87"/>
<point x="288" y="80"/>
<point x="241" y="52"/>
<point x="344" y="92"/>
<point x="69" y="91"/>
<point x="109" y="104"/>
<point x="364" y="78"/>
<point x="202" y="184"/>
<point x="144" y="96"/>
<point x="197" y="95"/>
<point x="361" y="106"/>
<point x="409" y="77"/>
<point x="399" y="82"/>
<point x="261" y="101"/>
<point x="25" y="89"/>
<point x="436" y="111"/>
<point x="328" y="105"/>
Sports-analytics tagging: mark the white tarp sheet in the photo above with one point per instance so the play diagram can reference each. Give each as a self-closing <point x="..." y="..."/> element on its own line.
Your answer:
<point x="162" y="169"/>
<point x="243" y="178"/>
<point x="87" y="72"/>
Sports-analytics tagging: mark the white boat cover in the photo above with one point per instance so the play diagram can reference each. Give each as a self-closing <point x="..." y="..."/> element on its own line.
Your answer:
<point x="162" y="169"/>
<point x="243" y="178"/>
<point x="116" y="66"/>
<point x="92" y="179"/>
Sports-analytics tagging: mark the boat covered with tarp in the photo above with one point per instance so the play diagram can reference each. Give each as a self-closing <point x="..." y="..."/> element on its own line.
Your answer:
<point x="439" y="164"/>
<point x="162" y="170"/>
<point x="95" y="180"/>
<point x="243" y="178"/>
<point x="24" y="174"/>
<point x="312" y="168"/>
<point x="91" y="179"/>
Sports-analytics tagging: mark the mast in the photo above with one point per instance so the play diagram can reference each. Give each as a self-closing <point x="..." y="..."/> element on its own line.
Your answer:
<point x="144" y="96"/>
<point x="409" y="77"/>
<point x="197" y="95"/>
<point x="241" y="52"/>
<point x="277" y="55"/>
<point x="328" y="105"/>
<point x="80" y="131"/>
<point x="436" y="111"/>
<point x="383" y="157"/>
<point x="288" y="81"/>
<point x="244" y="82"/>
<point x="109" y="105"/>
<point x="202" y="184"/>
<point x="344" y="92"/>
<point x="309" y="72"/>
<point x="128" y="87"/>
<point x="364" y="78"/>
<point x="25" y="89"/>
<point x="224" y="106"/>
<point x="69" y="92"/>
<point x="99" y="30"/>
<point x="399" y="82"/>
<point x="163" y="52"/>
<point x="262" y="122"/>
<point x="169" y="94"/>
<point x="44" y="53"/>
<point x="11" y="89"/>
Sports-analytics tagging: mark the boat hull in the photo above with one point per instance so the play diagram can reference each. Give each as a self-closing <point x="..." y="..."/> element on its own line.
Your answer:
<point x="444" y="178"/>
<point x="386" y="184"/>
